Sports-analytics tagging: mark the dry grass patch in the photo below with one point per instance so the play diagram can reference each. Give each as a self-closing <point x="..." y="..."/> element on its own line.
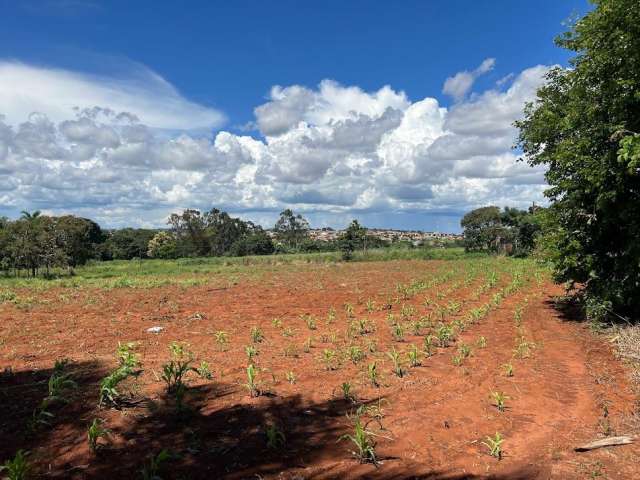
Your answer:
<point x="627" y="340"/>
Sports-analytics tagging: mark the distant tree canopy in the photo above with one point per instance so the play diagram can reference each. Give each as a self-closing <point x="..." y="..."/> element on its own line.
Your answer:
<point x="512" y="231"/>
<point x="162" y="245"/>
<point x="291" y="229"/>
<point x="215" y="233"/>
<point x="584" y="127"/>
<point x="37" y="242"/>
<point x="127" y="243"/>
<point x="353" y="238"/>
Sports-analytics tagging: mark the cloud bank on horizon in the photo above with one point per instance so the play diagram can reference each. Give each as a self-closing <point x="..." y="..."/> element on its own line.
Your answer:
<point x="130" y="151"/>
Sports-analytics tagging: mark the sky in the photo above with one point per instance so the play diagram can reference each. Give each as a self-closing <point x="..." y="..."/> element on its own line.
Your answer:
<point x="398" y="114"/>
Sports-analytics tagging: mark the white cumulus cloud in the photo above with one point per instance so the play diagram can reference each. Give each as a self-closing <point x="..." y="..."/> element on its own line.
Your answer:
<point x="330" y="152"/>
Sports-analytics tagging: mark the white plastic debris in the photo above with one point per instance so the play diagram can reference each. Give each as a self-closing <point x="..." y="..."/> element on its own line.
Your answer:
<point x="155" y="329"/>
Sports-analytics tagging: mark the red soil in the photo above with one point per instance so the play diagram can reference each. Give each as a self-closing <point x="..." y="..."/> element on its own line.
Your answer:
<point x="434" y="419"/>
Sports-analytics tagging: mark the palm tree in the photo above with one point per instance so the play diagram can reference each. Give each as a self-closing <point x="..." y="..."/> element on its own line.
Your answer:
<point x="30" y="216"/>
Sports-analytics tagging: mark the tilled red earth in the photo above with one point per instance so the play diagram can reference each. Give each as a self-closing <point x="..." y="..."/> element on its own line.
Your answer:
<point x="569" y="389"/>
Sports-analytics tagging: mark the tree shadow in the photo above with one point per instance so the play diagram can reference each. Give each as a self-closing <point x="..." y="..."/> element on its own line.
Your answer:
<point x="205" y="442"/>
<point x="229" y="442"/>
<point x="568" y="307"/>
<point x="22" y="394"/>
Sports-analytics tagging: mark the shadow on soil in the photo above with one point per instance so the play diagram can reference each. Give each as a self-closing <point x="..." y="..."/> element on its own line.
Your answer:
<point x="568" y="308"/>
<point x="21" y="397"/>
<point x="229" y="442"/>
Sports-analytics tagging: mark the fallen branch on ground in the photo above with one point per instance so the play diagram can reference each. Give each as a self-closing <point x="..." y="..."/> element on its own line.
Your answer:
<point x="606" y="442"/>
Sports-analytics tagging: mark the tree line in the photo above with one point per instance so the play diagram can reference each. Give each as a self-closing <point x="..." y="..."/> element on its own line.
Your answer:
<point x="41" y="244"/>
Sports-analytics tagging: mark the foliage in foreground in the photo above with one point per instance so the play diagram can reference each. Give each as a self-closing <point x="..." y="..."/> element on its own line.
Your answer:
<point x="584" y="127"/>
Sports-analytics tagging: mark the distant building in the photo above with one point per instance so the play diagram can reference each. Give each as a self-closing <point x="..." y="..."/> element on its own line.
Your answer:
<point x="328" y="234"/>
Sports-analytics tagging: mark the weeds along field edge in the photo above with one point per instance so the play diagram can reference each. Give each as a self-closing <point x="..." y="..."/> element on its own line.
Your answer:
<point x="190" y="272"/>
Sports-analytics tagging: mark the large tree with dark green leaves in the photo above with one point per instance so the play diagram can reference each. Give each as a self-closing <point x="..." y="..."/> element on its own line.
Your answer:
<point x="354" y="237"/>
<point x="127" y="243"/>
<point x="483" y="229"/>
<point x="584" y="127"/>
<point x="291" y="229"/>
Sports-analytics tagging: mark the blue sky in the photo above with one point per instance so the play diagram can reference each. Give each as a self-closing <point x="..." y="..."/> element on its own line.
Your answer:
<point x="194" y="76"/>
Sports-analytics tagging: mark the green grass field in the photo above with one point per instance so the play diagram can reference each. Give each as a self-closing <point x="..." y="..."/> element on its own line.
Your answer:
<point x="187" y="272"/>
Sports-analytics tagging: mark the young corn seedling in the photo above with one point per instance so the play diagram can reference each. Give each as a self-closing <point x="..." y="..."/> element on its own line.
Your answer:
<point x="128" y="367"/>
<point x="444" y="334"/>
<point x="391" y="319"/>
<point x="174" y="371"/>
<point x="374" y="410"/>
<point x="256" y="335"/>
<point x="460" y="324"/>
<point x="204" y="371"/>
<point x="40" y="417"/>
<point x="407" y="311"/>
<point x="497" y="299"/>
<point x="291" y="351"/>
<point x="395" y="359"/>
<point x="331" y="315"/>
<point x="453" y="307"/>
<point x="275" y="438"/>
<point x="507" y="368"/>
<point x="428" y="345"/>
<point x="523" y="348"/>
<point x="306" y="346"/>
<point x="348" y="308"/>
<point x="252" y="384"/>
<point x="416" y="327"/>
<point x="251" y="352"/>
<point x="222" y="339"/>
<point x="152" y="469"/>
<point x="372" y="374"/>
<point x="330" y="359"/>
<point x="311" y="322"/>
<point x="95" y="432"/>
<point x="287" y="332"/>
<point x="276" y="322"/>
<point x="59" y="384"/>
<point x="494" y="444"/>
<point x="363" y="326"/>
<point x="18" y="468"/>
<point x="356" y="354"/>
<point x="347" y="392"/>
<point x="482" y="342"/>
<point x="464" y="350"/>
<point x="499" y="399"/>
<point x="397" y="332"/>
<point x="290" y="377"/>
<point x="413" y="355"/>
<point x="517" y="315"/>
<point x="363" y="441"/>
<point x="371" y="305"/>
